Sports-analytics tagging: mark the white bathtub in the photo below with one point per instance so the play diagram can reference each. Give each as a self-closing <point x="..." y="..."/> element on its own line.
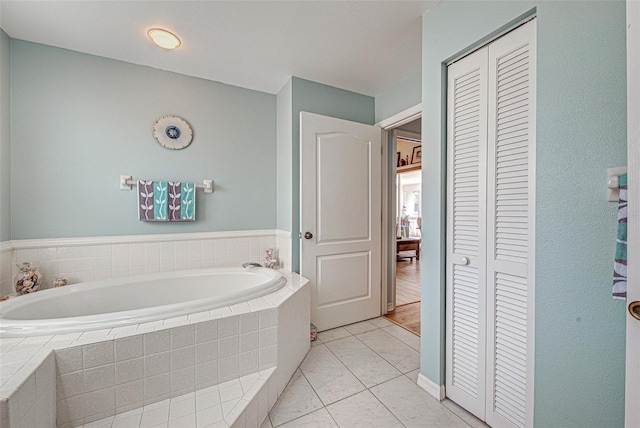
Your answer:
<point x="133" y="300"/>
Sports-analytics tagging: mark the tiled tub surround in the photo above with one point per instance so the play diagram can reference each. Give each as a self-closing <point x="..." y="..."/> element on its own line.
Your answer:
<point x="101" y="373"/>
<point x="94" y="258"/>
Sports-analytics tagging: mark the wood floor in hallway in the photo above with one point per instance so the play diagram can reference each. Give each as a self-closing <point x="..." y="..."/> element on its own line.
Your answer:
<point x="407" y="282"/>
<point x="407" y="312"/>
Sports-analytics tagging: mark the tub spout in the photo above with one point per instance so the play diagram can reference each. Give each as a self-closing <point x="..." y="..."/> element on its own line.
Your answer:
<point x="253" y="264"/>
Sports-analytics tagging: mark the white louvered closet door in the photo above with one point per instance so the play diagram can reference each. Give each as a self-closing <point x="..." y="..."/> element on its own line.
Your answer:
<point x="466" y="231"/>
<point x="510" y="230"/>
<point x="490" y="230"/>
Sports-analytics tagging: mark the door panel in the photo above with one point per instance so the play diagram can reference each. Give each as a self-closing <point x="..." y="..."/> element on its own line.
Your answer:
<point x="511" y="228"/>
<point x="466" y="242"/>
<point x="340" y="207"/>
<point x="345" y="214"/>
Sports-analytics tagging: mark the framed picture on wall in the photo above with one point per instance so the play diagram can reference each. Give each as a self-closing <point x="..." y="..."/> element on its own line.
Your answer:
<point x="416" y="156"/>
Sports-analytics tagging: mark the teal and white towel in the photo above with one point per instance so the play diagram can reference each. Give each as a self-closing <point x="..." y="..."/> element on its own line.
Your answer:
<point x="620" y="263"/>
<point x="166" y="201"/>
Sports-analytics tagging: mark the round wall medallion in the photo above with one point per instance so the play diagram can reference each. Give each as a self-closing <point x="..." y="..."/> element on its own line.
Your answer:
<point x="172" y="132"/>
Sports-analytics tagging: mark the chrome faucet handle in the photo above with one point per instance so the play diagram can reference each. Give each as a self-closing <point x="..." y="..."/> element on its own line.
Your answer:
<point x="252" y="264"/>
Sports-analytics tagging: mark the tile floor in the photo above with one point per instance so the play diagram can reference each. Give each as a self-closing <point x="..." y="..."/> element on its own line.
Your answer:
<point x="360" y="375"/>
<point x="363" y="375"/>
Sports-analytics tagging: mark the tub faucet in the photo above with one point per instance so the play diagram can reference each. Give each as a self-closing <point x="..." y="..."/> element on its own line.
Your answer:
<point x="252" y="264"/>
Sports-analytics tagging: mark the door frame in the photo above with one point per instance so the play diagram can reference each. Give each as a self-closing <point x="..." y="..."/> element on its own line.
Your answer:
<point x="632" y="390"/>
<point x="388" y="267"/>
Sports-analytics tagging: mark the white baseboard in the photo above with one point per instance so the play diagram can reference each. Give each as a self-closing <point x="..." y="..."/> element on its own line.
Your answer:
<point x="432" y="388"/>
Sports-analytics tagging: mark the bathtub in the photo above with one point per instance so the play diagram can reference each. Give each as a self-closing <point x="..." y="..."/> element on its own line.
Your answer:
<point x="125" y="301"/>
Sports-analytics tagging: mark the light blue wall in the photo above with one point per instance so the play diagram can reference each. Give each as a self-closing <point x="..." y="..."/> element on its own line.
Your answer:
<point x="284" y="163"/>
<point x="79" y="122"/>
<point x="405" y="94"/>
<point x="581" y="96"/>
<point x="5" y="137"/>
<point x="317" y="98"/>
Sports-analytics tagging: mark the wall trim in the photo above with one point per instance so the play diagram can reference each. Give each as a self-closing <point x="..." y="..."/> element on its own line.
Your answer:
<point x="24" y="244"/>
<point x="283" y="233"/>
<point x="432" y="388"/>
<point x="399" y="119"/>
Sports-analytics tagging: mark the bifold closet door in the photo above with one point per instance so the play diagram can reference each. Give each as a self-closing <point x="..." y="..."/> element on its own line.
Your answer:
<point x="466" y="231"/>
<point x="490" y="230"/>
<point x="510" y="229"/>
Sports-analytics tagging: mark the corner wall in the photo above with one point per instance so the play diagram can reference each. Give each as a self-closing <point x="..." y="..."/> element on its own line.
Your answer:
<point x="5" y="137"/>
<point x="283" y="157"/>
<point x="581" y="130"/>
<point x="406" y="94"/>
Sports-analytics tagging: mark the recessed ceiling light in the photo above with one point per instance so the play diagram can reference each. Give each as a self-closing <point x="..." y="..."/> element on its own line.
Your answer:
<point x="163" y="38"/>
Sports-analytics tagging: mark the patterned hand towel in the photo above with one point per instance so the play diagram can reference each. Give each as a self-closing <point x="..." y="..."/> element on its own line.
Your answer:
<point x="166" y="201"/>
<point x="620" y="264"/>
<point x="182" y="201"/>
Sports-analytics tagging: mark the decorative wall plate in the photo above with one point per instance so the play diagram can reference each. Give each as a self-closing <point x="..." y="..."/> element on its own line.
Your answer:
<point x="172" y="132"/>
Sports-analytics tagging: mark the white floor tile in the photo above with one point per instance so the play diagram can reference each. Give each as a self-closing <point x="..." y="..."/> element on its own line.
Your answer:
<point x="413" y="406"/>
<point x="207" y="397"/>
<point x="230" y="390"/>
<point x="209" y="416"/>
<point x="155" y="416"/>
<point x="330" y="379"/>
<point x="413" y="376"/>
<point x="360" y="327"/>
<point x="464" y="415"/>
<point x="129" y="422"/>
<point x="182" y="407"/>
<point x="298" y="399"/>
<point x="187" y="421"/>
<point x="380" y="322"/>
<point x="362" y="410"/>
<point x="369" y="367"/>
<point x="266" y="423"/>
<point x="404" y="336"/>
<point x="336" y="333"/>
<point x="318" y="419"/>
<point x="400" y="355"/>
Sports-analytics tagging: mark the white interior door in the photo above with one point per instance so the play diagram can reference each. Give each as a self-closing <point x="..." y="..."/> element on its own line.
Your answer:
<point x="340" y="218"/>
<point x="511" y="228"/>
<point x="632" y="391"/>
<point x="466" y="231"/>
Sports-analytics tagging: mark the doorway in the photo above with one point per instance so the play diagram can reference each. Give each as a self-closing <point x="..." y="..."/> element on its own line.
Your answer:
<point x="407" y="215"/>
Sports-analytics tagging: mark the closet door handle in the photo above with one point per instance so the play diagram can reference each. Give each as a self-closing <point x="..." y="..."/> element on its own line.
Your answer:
<point x="461" y="261"/>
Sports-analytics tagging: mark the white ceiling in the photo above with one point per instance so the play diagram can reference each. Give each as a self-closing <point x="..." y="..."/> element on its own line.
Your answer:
<point x="362" y="46"/>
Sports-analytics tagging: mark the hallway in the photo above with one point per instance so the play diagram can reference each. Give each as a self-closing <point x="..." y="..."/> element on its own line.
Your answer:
<point x="407" y="311"/>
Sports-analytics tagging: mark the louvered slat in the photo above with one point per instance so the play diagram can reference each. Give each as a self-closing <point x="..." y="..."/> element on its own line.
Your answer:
<point x="512" y="114"/>
<point x="465" y="161"/>
<point x="465" y="326"/>
<point x="511" y="344"/>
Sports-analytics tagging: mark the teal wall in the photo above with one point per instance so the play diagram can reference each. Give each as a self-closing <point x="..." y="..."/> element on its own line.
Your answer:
<point x="5" y="137"/>
<point x="581" y="130"/>
<point x="80" y="121"/>
<point x="400" y="97"/>
<point x="317" y="98"/>
<point x="284" y="163"/>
